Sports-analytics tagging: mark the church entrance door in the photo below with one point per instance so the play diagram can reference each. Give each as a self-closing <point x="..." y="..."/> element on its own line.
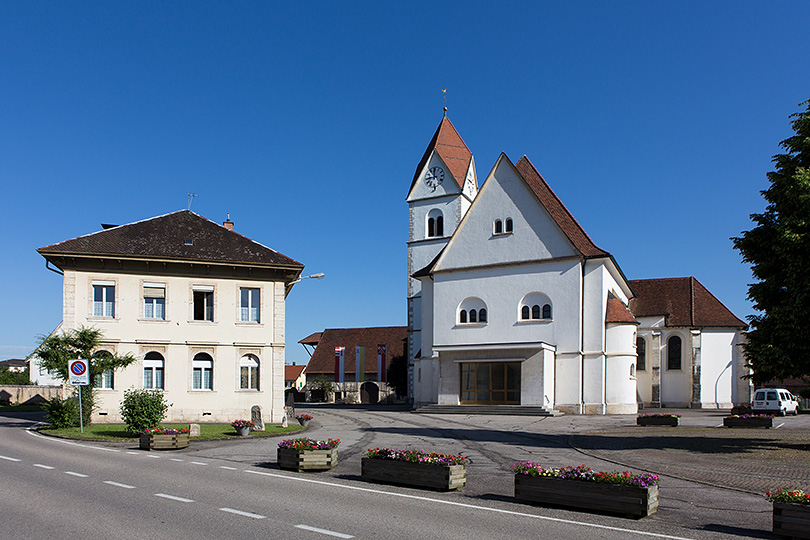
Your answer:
<point x="490" y="383"/>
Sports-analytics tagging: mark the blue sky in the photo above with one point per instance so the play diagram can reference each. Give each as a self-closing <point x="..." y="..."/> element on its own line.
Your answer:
<point x="654" y="122"/>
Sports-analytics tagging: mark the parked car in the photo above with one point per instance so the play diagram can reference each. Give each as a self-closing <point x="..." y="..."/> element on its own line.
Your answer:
<point x="776" y="400"/>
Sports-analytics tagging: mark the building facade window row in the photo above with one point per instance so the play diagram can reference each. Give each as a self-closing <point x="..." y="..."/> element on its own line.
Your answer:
<point x="533" y="307"/>
<point x="674" y="353"/>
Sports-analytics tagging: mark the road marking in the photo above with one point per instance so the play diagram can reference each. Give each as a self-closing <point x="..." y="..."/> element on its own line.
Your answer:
<point x="198" y="463"/>
<point x="9" y="458"/>
<point x="153" y="457"/>
<point x="227" y="468"/>
<point x="116" y="484"/>
<point x="173" y="498"/>
<point x="240" y="513"/>
<point x="176" y="459"/>
<point x="719" y="425"/>
<point x="465" y="505"/>
<point x="63" y="441"/>
<point x="780" y="425"/>
<point x="323" y="531"/>
<point x="80" y="475"/>
<point x="43" y="466"/>
<point x="132" y="452"/>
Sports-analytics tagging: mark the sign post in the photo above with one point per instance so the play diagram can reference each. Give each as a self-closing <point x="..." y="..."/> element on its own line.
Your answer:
<point x="79" y="375"/>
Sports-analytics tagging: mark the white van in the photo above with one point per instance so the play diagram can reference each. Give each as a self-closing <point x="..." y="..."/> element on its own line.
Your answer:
<point x="777" y="400"/>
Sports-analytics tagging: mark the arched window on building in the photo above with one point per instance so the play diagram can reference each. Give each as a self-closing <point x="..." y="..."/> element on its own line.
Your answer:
<point x="472" y="310"/>
<point x="547" y="311"/>
<point x="153" y="371"/>
<point x="105" y="380"/>
<point x="473" y="316"/>
<point x="249" y="372"/>
<point x="641" y="351"/>
<point x="535" y="306"/>
<point x="435" y="224"/>
<point x="508" y="225"/>
<point x="535" y="311"/>
<point x="525" y="313"/>
<point x="498" y="226"/>
<point x="202" y="372"/>
<point x="674" y="352"/>
<point x="462" y="316"/>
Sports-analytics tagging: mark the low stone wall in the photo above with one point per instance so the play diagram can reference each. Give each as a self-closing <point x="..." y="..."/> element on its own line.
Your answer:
<point x="28" y="394"/>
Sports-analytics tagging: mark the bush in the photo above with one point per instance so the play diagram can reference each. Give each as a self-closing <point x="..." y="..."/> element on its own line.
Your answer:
<point x="143" y="409"/>
<point x="61" y="413"/>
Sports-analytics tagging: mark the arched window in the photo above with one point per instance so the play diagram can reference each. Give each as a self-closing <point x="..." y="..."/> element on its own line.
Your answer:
<point x="153" y="371"/>
<point x="498" y="226"/>
<point x="508" y="225"/>
<point x="435" y="223"/>
<point x="202" y="372"/>
<point x="547" y="311"/>
<point x="105" y="380"/>
<point x="472" y="310"/>
<point x="674" y="353"/>
<point x="525" y="313"/>
<point x="641" y="351"/>
<point x="535" y="306"/>
<point x="249" y="372"/>
<point x="535" y="311"/>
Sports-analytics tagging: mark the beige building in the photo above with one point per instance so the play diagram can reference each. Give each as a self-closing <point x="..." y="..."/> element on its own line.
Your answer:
<point x="200" y="306"/>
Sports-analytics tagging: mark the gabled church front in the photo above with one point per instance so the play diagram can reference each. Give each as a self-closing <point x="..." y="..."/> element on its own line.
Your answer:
<point x="510" y="302"/>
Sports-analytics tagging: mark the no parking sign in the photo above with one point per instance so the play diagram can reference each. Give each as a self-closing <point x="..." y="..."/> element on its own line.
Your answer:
<point x="78" y="372"/>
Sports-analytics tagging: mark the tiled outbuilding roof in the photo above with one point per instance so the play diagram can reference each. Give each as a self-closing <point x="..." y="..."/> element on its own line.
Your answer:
<point x="617" y="312"/>
<point x="323" y="359"/>
<point x="683" y="301"/>
<point x="451" y="148"/>
<point x="311" y="339"/>
<point x="559" y="213"/>
<point x="178" y="236"/>
<point x="291" y="373"/>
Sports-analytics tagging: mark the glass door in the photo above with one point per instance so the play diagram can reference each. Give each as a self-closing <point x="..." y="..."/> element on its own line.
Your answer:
<point x="490" y="383"/>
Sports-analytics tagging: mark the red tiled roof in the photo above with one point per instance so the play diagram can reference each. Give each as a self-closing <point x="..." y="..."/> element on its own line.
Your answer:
<point x="293" y="372"/>
<point x="311" y="339"/>
<point x="684" y="301"/>
<point x="617" y="312"/>
<point x="178" y="236"/>
<point x="451" y="148"/>
<point x="323" y="359"/>
<point x="573" y="230"/>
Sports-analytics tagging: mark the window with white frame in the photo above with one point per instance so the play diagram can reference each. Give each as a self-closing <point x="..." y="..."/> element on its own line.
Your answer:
<point x="435" y="224"/>
<point x="249" y="372"/>
<point x="105" y="380"/>
<point x="153" y="371"/>
<point x="202" y="375"/>
<point x="154" y="301"/>
<point x="535" y="306"/>
<point x="502" y="226"/>
<point x="203" y="300"/>
<point x="472" y="310"/>
<point x="104" y="299"/>
<point x="249" y="305"/>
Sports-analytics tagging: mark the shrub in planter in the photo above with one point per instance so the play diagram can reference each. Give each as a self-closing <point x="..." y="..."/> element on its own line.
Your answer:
<point x="142" y="409"/>
<point x="791" y="512"/>
<point x="158" y="438"/>
<point x="307" y="454"/>
<point x="581" y="487"/>
<point x="415" y="468"/>
<point x="61" y="413"/>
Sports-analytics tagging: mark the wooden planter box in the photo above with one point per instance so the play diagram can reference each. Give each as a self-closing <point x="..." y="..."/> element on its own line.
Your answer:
<point x="159" y="441"/>
<point x="424" y="475"/>
<point x="752" y="422"/>
<point x="294" y="459"/>
<point x="632" y="501"/>
<point x="791" y="519"/>
<point x="673" y="421"/>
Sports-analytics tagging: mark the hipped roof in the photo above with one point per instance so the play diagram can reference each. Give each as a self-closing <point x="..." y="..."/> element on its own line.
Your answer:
<point x="395" y="338"/>
<point x="683" y="301"/>
<point x="451" y="148"/>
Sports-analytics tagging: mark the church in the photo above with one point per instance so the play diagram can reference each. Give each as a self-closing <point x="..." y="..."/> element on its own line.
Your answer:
<point x="510" y="302"/>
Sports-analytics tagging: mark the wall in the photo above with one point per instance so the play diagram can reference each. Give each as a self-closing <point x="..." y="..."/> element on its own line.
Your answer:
<point x="29" y="394"/>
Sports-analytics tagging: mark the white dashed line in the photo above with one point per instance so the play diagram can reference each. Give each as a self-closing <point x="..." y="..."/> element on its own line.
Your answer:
<point x="153" y="457"/>
<point x="116" y="484"/>
<point x="198" y="463"/>
<point x="174" y="498"/>
<point x="227" y="468"/>
<point x="176" y="459"/>
<point x="323" y="531"/>
<point x="133" y="453"/>
<point x="43" y="466"/>
<point x="9" y="458"/>
<point x="780" y="425"/>
<point x="245" y="514"/>
<point x="80" y="475"/>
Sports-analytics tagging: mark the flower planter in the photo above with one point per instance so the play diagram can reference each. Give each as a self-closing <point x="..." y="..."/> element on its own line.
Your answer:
<point x="424" y="475"/>
<point x="791" y="519"/>
<point x="673" y="421"/>
<point x="633" y="501"/>
<point x="160" y="441"/>
<point x="243" y="431"/>
<point x="295" y="459"/>
<point x="304" y="421"/>
<point x="748" y="422"/>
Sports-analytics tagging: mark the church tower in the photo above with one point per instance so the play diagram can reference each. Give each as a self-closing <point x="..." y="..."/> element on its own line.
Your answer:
<point x="443" y="188"/>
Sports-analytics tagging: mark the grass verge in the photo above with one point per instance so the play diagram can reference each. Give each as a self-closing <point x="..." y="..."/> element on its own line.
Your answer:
<point x="118" y="432"/>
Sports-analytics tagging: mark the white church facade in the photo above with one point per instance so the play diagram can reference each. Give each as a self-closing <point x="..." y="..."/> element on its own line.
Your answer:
<point x="510" y="302"/>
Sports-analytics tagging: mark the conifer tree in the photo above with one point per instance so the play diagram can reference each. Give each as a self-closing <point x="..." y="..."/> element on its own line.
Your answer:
<point x="778" y="250"/>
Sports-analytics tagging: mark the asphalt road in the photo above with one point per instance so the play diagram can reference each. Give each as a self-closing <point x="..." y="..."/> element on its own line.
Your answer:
<point x="65" y="489"/>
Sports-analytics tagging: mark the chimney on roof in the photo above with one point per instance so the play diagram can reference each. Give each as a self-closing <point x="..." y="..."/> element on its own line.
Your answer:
<point x="228" y="223"/>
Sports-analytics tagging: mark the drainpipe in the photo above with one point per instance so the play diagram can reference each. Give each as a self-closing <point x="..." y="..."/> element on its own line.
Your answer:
<point x="582" y="341"/>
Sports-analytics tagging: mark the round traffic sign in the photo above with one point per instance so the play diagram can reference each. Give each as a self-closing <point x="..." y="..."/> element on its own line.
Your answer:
<point x="78" y="368"/>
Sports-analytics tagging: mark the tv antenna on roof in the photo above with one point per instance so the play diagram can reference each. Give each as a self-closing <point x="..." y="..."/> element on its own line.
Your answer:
<point x="191" y="200"/>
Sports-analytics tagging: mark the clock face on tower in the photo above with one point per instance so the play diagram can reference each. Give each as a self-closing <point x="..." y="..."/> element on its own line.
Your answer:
<point x="434" y="177"/>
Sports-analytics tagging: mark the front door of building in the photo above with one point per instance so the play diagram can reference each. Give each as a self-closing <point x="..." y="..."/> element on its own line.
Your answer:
<point x="490" y="383"/>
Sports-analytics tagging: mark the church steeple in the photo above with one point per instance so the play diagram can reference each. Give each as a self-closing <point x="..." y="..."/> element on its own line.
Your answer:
<point x="448" y="145"/>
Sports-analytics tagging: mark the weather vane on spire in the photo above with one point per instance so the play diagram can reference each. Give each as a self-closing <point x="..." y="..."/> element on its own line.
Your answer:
<point x="444" y="95"/>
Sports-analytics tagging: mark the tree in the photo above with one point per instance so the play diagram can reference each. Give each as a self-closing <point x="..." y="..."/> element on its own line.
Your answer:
<point x="55" y="351"/>
<point x="14" y="377"/>
<point x="778" y="250"/>
<point x="398" y="375"/>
